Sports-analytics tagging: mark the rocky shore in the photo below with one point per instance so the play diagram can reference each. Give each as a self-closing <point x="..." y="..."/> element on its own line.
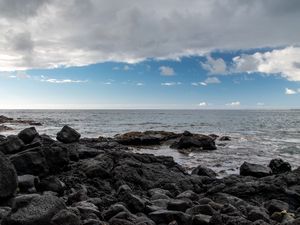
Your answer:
<point x="100" y="181"/>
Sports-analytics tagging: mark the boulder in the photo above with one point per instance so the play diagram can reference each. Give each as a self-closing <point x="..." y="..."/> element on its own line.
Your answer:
<point x="31" y="161"/>
<point x="26" y="183"/>
<point x="279" y="166"/>
<point x="167" y="216"/>
<point x="66" y="217"/>
<point x="51" y="183"/>
<point x="57" y="157"/>
<point x="179" y="204"/>
<point x="276" y="205"/>
<point x="204" y="171"/>
<point x="34" y="210"/>
<point x="12" y="144"/>
<point x="68" y="135"/>
<point x="8" y="178"/>
<point x="254" y="170"/>
<point x="195" y="142"/>
<point x="27" y="135"/>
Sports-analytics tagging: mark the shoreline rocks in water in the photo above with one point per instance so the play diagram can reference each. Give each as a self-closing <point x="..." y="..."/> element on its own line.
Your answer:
<point x="90" y="181"/>
<point x="4" y="120"/>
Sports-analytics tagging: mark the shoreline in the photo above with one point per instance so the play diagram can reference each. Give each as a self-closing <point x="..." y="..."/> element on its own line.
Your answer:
<point x="101" y="181"/>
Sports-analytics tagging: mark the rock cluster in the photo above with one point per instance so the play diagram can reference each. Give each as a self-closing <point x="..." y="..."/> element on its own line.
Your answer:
<point x="84" y="181"/>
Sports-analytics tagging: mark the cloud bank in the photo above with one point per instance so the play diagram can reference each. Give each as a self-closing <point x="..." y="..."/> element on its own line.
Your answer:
<point x="50" y="34"/>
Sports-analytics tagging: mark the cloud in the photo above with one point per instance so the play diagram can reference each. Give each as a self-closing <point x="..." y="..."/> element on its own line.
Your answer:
<point x="171" y="83"/>
<point x="237" y="103"/>
<point x="63" y="81"/>
<point x="55" y="33"/>
<point x="166" y="71"/>
<point x="209" y="80"/>
<point x="289" y="91"/>
<point x="202" y="104"/>
<point x="140" y="84"/>
<point x="283" y="62"/>
<point x="214" y="66"/>
<point x="260" y="104"/>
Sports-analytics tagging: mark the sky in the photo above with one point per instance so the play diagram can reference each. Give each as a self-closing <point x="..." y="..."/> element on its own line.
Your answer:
<point x="138" y="54"/>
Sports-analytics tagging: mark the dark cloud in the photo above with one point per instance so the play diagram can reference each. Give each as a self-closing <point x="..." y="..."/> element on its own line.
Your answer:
<point x="80" y="32"/>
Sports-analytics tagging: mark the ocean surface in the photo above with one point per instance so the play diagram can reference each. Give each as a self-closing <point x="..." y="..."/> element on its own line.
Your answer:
<point x="257" y="135"/>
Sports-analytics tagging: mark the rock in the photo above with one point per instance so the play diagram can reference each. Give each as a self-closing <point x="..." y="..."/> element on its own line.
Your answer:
<point x="255" y="170"/>
<point x="34" y="210"/>
<point x="12" y="144"/>
<point x="68" y="135"/>
<point x="201" y="219"/>
<point x="167" y="216"/>
<point x="201" y="209"/>
<point x="133" y="202"/>
<point x="258" y="214"/>
<point x="26" y="183"/>
<point x="275" y="205"/>
<point x="77" y="196"/>
<point x="4" y="211"/>
<point x="51" y="183"/>
<point x="114" y="210"/>
<point x="195" y="142"/>
<point x="279" y="166"/>
<point x="204" y="171"/>
<point x="189" y="194"/>
<point x="87" y="209"/>
<point x="27" y="135"/>
<point x="31" y="161"/>
<point x="8" y="178"/>
<point x="4" y="119"/>
<point x="179" y="205"/>
<point x="57" y="157"/>
<point x="65" y="217"/>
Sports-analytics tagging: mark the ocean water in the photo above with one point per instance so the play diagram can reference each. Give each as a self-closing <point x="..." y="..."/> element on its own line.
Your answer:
<point x="257" y="135"/>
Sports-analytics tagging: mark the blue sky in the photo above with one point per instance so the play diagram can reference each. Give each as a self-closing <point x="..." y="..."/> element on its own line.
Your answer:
<point x="208" y="54"/>
<point x="164" y="84"/>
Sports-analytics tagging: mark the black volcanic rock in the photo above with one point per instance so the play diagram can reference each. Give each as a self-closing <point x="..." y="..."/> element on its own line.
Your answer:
<point x="279" y="166"/>
<point x="204" y="171"/>
<point x="8" y="178"/>
<point x="68" y="135"/>
<point x="12" y="144"/>
<point x="27" y="135"/>
<point x="195" y="142"/>
<point x="255" y="170"/>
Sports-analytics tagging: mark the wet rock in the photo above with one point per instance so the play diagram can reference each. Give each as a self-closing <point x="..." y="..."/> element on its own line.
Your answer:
<point x="275" y="205"/>
<point x="27" y="135"/>
<point x="26" y="183"/>
<point x="51" y="183"/>
<point x="31" y="161"/>
<point x="204" y="171"/>
<point x="34" y="210"/>
<point x="195" y="142"/>
<point x="255" y="170"/>
<point x="167" y="216"/>
<point x="12" y="144"/>
<point x="5" y="128"/>
<point x="4" y="119"/>
<point x="65" y="217"/>
<point x="8" y="178"/>
<point x="279" y="166"/>
<point x="68" y="135"/>
<point x="225" y="138"/>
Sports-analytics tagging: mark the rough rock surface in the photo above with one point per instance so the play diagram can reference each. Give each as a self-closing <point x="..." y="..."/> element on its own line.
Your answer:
<point x="68" y="135"/>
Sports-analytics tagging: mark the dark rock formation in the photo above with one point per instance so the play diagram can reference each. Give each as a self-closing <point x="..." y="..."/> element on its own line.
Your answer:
<point x="68" y="135"/>
<point x="195" y="142"/>
<point x="255" y="170"/>
<point x="27" y="135"/>
<point x="279" y="166"/>
<point x="204" y="171"/>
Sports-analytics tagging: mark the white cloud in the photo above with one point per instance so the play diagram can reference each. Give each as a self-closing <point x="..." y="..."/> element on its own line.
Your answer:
<point x="50" y="34"/>
<point x="202" y="104"/>
<point x="126" y="67"/>
<point x="284" y="62"/>
<point x="214" y="66"/>
<point x="212" y="80"/>
<point x="140" y="84"/>
<point x="260" y="104"/>
<point x="62" y="81"/>
<point x="237" y="103"/>
<point x="171" y="83"/>
<point x="289" y="91"/>
<point x="166" y="71"/>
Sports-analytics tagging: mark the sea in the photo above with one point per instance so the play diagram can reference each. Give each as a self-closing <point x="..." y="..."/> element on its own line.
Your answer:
<point x="257" y="135"/>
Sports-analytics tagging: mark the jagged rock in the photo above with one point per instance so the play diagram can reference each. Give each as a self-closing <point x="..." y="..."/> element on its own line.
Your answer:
<point x="12" y="144"/>
<point x="114" y="210"/>
<point x="255" y="170"/>
<point x="201" y="219"/>
<point x="31" y="161"/>
<point x="51" y="183"/>
<point x="8" y="178"/>
<point x="65" y="217"/>
<point x="279" y="166"/>
<point x="57" y="157"/>
<point x="195" y="142"/>
<point x="34" y="210"/>
<point x="167" y="216"/>
<point x="68" y="135"/>
<point x="87" y="209"/>
<point x="204" y="171"/>
<point x="189" y="194"/>
<point x="179" y="205"/>
<point x="201" y="209"/>
<point x="26" y="183"/>
<point x="258" y="214"/>
<point x="27" y="135"/>
<point x="275" y="205"/>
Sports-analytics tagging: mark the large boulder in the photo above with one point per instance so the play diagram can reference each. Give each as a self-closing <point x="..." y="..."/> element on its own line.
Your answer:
<point x="32" y="161"/>
<point x="68" y="135"/>
<point x="34" y="210"/>
<point x="194" y="142"/>
<point x="27" y="135"/>
<point x="57" y="157"/>
<point x="279" y="166"/>
<point x="254" y="170"/>
<point x="12" y="144"/>
<point x="8" y="178"/>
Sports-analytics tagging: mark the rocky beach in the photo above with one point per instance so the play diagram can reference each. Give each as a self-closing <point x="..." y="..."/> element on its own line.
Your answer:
<point x="75" y="180"/>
